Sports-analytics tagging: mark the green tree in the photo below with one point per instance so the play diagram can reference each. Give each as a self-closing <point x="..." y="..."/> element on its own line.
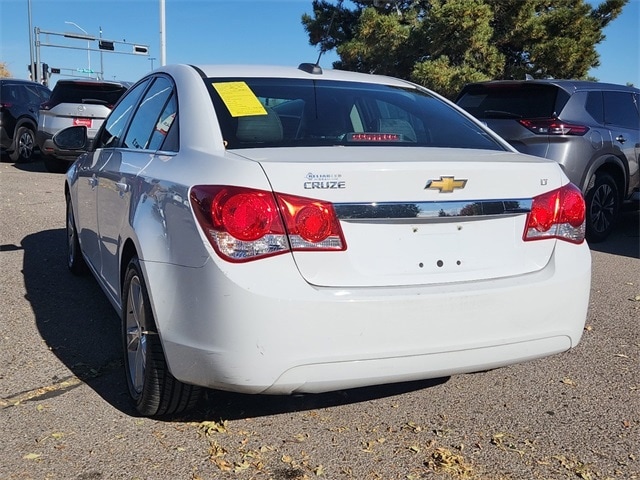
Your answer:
<point x="444" y="44"/>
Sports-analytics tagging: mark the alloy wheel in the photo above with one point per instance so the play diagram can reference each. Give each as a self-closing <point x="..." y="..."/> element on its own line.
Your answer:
<point x="136" y="335"/>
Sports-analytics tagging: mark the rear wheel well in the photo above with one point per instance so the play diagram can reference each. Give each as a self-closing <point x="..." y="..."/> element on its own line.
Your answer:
<point x="615" y="171"/>
<point x="128" y="252"/>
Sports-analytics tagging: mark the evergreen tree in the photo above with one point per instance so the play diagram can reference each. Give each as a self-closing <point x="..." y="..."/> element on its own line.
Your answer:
<point x="444" y="44"/>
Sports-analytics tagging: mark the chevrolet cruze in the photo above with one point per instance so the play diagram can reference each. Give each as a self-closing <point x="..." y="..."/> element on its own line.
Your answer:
<point x="279" y="230"/>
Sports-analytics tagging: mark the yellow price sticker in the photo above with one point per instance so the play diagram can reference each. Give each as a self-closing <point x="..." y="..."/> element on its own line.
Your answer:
<point x="239" y="99"/>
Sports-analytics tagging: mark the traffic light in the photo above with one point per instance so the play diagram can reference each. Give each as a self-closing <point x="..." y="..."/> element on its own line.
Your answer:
<point x="33" y="71"/>
<point x="45" y="74"/>
<point x="106" y="45"/>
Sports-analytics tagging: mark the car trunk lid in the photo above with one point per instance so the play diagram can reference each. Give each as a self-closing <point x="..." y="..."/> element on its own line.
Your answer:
<point x="416" y="216"/>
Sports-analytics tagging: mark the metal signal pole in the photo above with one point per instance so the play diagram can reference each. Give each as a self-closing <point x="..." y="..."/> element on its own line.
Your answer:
<point x="163" y="38"/>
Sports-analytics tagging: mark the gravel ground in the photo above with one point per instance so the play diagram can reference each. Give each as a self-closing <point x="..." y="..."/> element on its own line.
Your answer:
<point x="65" y="414"/>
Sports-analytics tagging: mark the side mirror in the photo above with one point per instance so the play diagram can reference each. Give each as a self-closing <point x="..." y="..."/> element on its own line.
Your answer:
<point x="72" y="138"/>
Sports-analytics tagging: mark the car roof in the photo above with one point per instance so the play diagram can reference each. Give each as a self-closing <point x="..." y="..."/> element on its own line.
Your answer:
<point x="21" y="81"/>
<point x="301" y="72"/>
<point x="568" y="85"/>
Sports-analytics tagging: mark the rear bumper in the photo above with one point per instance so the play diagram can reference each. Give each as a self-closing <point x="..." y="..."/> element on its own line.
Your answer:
<point x="287" y="336"/>
<point x="6" y="142"/>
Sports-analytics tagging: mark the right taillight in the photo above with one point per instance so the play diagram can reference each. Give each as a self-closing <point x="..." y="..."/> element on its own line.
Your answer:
<point x="244" y="224"/>
<point x="557" y="214"/>
<point x="553" y="126"/>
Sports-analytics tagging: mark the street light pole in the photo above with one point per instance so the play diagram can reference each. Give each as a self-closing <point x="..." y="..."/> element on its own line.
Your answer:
<point x="33" y="68"/>
<point x="88" y="44"/>
<point x="101" y="77"/>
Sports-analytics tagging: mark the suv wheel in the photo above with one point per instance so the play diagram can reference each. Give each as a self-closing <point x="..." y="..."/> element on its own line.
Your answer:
<point x="603" y="204"/>
<point x="24" y="144"/>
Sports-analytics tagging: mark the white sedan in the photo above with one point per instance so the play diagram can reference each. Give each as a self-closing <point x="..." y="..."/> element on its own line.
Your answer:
<point x="280" y="230"/>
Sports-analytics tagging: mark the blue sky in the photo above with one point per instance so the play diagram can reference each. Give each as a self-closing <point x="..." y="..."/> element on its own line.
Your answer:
<point x="217" y="31"/>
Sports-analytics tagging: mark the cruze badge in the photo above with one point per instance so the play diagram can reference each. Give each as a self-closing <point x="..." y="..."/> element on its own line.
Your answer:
<point x="445" y="184"/>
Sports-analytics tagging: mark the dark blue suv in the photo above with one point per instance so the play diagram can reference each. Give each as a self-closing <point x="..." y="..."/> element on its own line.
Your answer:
<point x="19" y="105"/>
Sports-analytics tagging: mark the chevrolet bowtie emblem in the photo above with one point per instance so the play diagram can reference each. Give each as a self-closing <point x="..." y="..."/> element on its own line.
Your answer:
<point x="445" y="184"/>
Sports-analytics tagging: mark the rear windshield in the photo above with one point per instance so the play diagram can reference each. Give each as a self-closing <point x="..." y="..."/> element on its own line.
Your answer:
<point x="269" y="112"/>
<point x="88" y="93"/>
<point x="518" y="100"/>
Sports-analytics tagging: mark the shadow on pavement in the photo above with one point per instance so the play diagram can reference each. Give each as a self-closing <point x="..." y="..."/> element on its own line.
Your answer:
<point x="625" y="239"/>
<point x="73" y="316"/>
<point x="35" y="165"/>
<point x="81" y="328"/>
<point x="218" y="406"/>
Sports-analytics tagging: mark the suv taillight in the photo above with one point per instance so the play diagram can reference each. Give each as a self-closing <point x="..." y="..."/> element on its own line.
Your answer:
<point x="557" y="214"/>
<point x="553" y="126"/>
<point x="244" y="224"/>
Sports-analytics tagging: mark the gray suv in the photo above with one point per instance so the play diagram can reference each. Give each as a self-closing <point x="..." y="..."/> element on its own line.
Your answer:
<point x="592" y="129"/>
<point x="85" y="102"/>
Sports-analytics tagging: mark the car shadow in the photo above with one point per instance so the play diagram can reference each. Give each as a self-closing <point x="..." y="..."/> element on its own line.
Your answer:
<point x="625" y="238"/>
<point x="81" y="328"/>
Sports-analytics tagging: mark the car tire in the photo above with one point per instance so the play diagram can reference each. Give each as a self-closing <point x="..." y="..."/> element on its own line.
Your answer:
<point x="55" y="165"/>
<point x="154" y="390"/>
<point x="24" y="145"/>
<point x="603" y="205"/>
<point x="75" y="260"/>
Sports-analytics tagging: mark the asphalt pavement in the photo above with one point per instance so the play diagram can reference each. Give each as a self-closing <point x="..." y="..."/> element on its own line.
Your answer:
<point x="65" y="413"/>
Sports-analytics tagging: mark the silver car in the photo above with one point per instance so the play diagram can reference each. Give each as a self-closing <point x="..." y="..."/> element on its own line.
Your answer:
<point x="279" y="230"/>
<point x="592" y="129"/>
<point x="85" y="102"/>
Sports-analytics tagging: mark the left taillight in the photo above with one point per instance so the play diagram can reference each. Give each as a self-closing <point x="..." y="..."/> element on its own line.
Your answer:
<point x="553" y="126"/>
<point x="244" y="224"/>
<point x="557" y="214"/>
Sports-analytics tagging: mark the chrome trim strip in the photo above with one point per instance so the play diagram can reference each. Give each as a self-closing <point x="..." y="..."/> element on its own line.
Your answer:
<point x="425" y="212"/>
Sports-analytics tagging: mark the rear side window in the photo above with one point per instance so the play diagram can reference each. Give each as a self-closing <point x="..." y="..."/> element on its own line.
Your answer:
<point x="151" y="116"/>
<point x="518" y="100"/>
<point x="87" y="93"/>
<point x="112" y="129"/>
<point x="620" y="110"/>
<point x="9" y="94"/>
<point x="276" y="112"/>
<point x="595" y="106"/>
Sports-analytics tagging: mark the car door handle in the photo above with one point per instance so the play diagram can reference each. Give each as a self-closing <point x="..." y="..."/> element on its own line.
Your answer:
<point x="122" y="187"/>
<point x="620" y="139"/>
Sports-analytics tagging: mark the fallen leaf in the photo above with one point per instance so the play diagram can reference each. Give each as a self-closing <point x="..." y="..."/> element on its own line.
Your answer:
<point x="32" y="456"/>
<point x="222" y="464"/>
<point x="209" y="427"/>
<point x="415" y="428"/>
<point x="568" y="381"/>
<point x="241" y="466"/>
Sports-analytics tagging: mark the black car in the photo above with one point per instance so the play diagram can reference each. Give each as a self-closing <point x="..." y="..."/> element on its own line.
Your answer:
<point x="19" y="105"/>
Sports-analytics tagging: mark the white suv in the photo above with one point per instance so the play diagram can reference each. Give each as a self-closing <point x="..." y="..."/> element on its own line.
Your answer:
<point x="85" y="102"/>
